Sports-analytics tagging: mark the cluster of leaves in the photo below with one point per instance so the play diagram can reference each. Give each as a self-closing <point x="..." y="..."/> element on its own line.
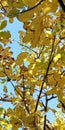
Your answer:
<point x="43" y="43"/>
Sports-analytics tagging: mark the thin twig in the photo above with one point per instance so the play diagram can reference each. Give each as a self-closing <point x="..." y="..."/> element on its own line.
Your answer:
<point x="41" y="51"/>
<point x="63" y="105"/>
<point x="28" y="48"/>
<point x="52" y="97"/>
<point x="5" y="100"/>
<point x="3" y="7"/>
<point x="31" y="7"/>
<point x="48" y="127"/>
<point x="24" y="98"/>
<point x="45" y="112"/>
<point x="62" y="4"/>
<point x="50" y="61"/>
<point x="52" y="128"/>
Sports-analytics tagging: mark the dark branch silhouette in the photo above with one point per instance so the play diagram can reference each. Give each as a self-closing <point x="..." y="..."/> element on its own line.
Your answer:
<point x="3" y="7"/>
<point x="45" y="77"/>
<point x="62" y="4"/>
<point x="31" y="7"/>
<point x="63" y="105"/>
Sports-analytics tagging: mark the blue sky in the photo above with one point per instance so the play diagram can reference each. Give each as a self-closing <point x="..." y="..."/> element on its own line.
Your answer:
<point x="14" y="28"/>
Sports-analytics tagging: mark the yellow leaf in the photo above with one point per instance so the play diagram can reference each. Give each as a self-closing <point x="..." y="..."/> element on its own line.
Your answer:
<point x="48" y="32"/>
<point x="38" y="60"/>
<point x="44" y="85"/>
<point x="31" y="89"/>
<point x="63" y="34"/>
<point x="31" y="72"/>
<point x="23" y="68"/>
<point x="11" y="20"/>
<point x="30" y="3"/>
<point x="4" y="3"/>
<point x="57" y="57"/>
<point x="22" y="55"/>
<point x="2" y="74"/>
<point x="5" y="89"/>
<point x="0" y="127"/>
<point x="28" y="93"/>
<point x="46" y="10"/>
<point x="30" y="119"/>
<point x="21" y="33"/>
<point x="1" y="48"/>
<point x="24" y="17"/>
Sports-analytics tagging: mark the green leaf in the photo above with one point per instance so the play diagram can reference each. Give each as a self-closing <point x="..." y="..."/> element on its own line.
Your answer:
<point x="4" y="36"/>
<point x="62" y="52"/>
<point x="13" y="13"/>
<point x="3" y="24"/>
<point x="1" y="111"/>
<point x="3" y="80"/>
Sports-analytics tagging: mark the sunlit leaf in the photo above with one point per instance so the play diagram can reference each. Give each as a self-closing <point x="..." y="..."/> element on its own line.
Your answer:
<point x="57" y="57"/>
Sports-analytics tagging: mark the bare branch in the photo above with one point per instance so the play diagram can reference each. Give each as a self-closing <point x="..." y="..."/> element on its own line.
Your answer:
<point x="2" y="7"/>
<point x="48" y="122"/>
<point x="32" y="7"/>
<point x="46" y="104"/>
<point x="5" y="100"/>
<point x="24" y="98"/>
<point x="28" y="48"/>
<point x="52" y="97"/>
<point x="48" y="127"/>
<point x="62" y="4"/>
<point x="63" y="105"/>
<point x="50" y="61"/>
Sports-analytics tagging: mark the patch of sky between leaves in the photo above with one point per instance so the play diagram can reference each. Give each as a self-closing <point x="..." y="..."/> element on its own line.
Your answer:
<point x="14" y="28"/>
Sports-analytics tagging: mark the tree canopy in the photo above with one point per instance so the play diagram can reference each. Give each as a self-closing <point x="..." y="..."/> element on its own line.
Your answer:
<point x="37" y="74"/>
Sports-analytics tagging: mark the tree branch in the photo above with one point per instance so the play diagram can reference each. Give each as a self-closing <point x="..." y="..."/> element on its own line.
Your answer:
<point x="63" y="105"/>
<point x="52" y="97"/>
<point x="3" y="7"/>
<point x="29" y="48"/>
<point x="62" y="4"/>
<point x="48" y="127"/>
<point x="48" y="122"/>
<point x="31" y="7"/>
<point x="45" y="112"/>
<point x="5" y="100"/>
<point x="24" y="98"/>
<point x="50" y="61"/>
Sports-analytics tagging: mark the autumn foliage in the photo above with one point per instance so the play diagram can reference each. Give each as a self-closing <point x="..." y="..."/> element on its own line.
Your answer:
<point x="37" y="74"/>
